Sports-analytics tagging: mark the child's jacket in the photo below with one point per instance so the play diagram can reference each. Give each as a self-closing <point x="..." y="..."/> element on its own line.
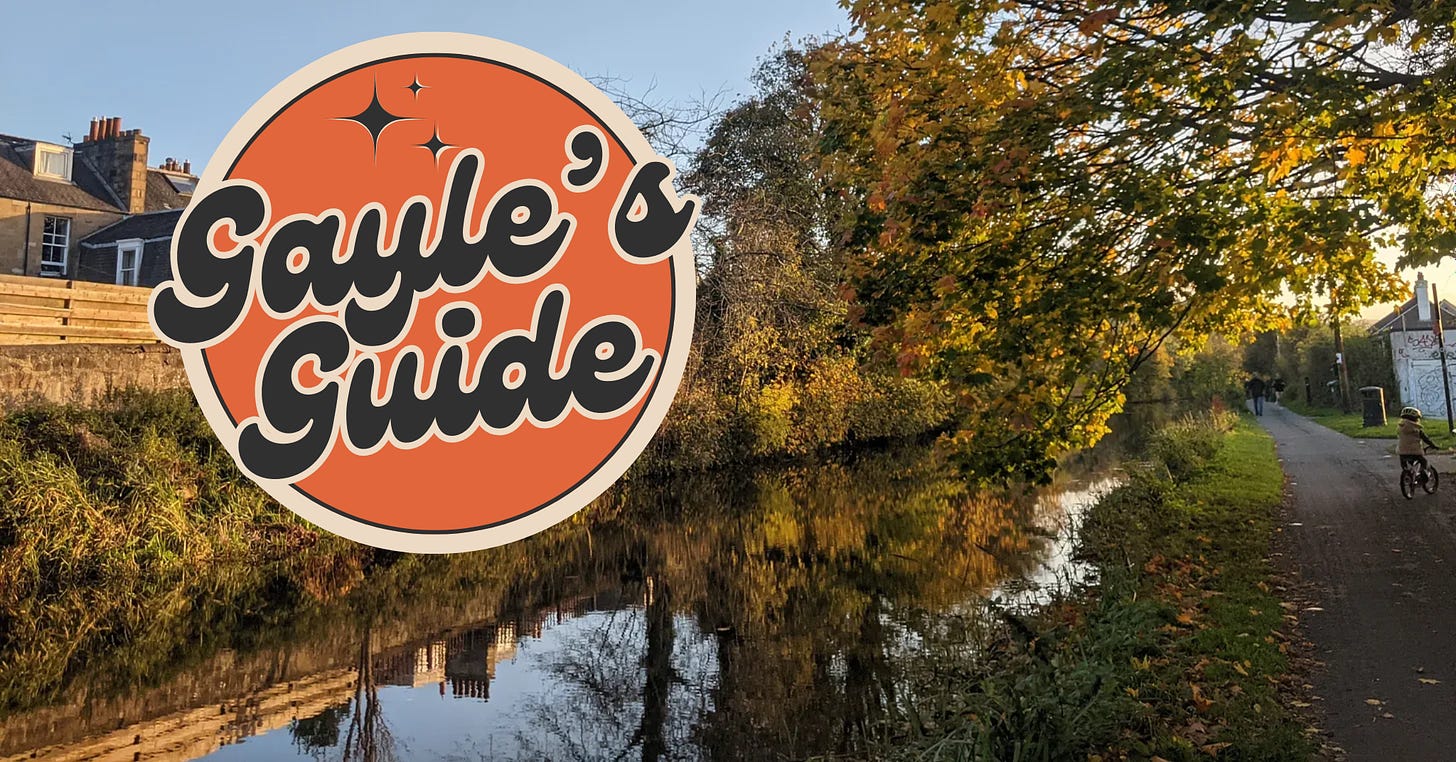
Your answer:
<point x="1409" y="437"/>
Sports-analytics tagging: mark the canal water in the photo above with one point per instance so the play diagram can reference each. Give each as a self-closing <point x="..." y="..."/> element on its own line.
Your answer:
<point x="774" y="614"/>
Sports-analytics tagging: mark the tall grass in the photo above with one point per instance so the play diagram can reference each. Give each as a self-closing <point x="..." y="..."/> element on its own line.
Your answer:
<point x="106" y="512"/>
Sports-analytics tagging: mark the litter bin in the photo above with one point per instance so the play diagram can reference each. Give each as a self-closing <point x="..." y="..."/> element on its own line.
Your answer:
<point x="1373" y="400"/>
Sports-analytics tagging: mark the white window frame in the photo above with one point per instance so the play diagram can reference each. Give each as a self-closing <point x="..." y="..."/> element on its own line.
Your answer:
<point x="129" y="244"/>
<point x="52" y="268"/>
<point x="64" y="153"/>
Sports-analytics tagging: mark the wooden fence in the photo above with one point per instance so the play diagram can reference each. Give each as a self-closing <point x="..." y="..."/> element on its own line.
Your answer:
<point x="54" y="311"/>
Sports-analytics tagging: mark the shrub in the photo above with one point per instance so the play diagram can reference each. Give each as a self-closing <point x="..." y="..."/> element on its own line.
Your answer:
<point x="770" y="419"/>
<point x="1185" y="446"/>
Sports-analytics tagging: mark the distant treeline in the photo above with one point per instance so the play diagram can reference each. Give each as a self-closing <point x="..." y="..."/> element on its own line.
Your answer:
<point x="1298" y="354"/>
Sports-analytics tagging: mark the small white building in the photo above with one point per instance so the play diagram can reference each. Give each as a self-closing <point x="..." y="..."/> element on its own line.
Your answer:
<point x="1415" y="351"/>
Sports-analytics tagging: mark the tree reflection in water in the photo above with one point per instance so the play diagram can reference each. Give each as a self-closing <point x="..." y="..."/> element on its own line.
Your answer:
<point x="777" y="622"/>
<point x="368" y="738"/>
<point x="774" y="614"/>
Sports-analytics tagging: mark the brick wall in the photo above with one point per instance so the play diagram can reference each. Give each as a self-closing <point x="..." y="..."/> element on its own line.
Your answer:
<point x="81" y="373"/>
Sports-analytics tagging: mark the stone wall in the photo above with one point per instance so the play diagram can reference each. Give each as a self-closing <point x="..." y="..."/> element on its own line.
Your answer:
<point x="81" y="373"/>
<point x="13" y="221"/>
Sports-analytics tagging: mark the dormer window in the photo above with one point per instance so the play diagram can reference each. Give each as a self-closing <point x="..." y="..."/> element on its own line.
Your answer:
<point x="53" y="162"/>
<point x="183" y="184"/>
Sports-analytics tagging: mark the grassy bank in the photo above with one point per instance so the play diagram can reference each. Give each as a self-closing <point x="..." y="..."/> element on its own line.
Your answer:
<point x="1178" y="651"/>
<point x="1353" y="424"/>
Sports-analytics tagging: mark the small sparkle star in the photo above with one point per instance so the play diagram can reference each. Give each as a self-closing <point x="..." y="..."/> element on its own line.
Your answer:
<point x="435" y="144"/>
<point x="375" y="118"/>
<point x="415" y="87"/>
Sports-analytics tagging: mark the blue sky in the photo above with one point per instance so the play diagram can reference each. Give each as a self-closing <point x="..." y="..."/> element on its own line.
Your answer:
<point x="184" y="71"/>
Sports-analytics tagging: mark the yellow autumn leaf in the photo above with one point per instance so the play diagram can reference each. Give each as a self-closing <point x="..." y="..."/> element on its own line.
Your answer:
<point x="941" y="13"/>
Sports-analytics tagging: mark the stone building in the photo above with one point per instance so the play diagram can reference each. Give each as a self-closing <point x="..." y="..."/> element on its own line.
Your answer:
<point x="54" y="199"/>
<point x="1415" y="352"/>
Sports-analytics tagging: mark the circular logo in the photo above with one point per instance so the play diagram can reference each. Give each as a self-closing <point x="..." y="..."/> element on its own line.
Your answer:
<point x="434" y="292"/>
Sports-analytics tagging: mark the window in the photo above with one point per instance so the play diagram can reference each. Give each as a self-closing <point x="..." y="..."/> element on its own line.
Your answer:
<point x="128" y="262"/>
<point x="183" y="185"/>
<point x="53" y="161"/>
<point x="55" y="241"/>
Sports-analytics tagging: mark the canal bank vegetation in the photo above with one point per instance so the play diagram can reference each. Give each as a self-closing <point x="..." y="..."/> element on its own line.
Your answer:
<point x="783" y="571"/>
<point x="1178" y="649"/>
<point x="110" y="511"/>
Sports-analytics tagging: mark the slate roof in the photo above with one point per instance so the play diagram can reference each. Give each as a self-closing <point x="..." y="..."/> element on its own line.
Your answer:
<point x="1392" y="322"/>
<point x="160" y="193"/>
<point x="146" y="226"/>
<point x="88" y="191"/>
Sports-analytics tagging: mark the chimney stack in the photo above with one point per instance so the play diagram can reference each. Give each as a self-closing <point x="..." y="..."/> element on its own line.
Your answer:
<point x="121" y="160"/>
<point x="1423" y="298"/>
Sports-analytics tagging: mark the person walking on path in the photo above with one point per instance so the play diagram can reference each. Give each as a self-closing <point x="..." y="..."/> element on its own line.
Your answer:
<point x="1278" y="386"/>
<point x="1255" y="387"/>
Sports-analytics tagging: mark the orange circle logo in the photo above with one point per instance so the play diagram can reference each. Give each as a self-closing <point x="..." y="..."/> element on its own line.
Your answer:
<point x="434" y="292"/>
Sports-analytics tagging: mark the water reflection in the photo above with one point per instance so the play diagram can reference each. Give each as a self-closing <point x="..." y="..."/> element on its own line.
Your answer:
<point x="721" y="617"/>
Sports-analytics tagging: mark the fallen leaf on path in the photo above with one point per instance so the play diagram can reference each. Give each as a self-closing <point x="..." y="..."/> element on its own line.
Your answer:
<point x="1213" y="749"/>
<point x="1314" y="608"/>
<point x="1374" y="702"/>
<point x="1388" y="716"/>
<point x="1429" y="681"/>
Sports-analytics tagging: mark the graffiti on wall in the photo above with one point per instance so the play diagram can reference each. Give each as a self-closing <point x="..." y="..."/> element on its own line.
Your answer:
<point x="1417" y="356"/>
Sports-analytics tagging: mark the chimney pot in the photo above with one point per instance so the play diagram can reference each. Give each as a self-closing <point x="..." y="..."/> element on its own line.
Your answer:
<point x="187" y="166"/>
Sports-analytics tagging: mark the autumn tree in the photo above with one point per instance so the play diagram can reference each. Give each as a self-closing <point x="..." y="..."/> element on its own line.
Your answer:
<point x="768" y="297"/>
<point x="1048" y="190"/>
